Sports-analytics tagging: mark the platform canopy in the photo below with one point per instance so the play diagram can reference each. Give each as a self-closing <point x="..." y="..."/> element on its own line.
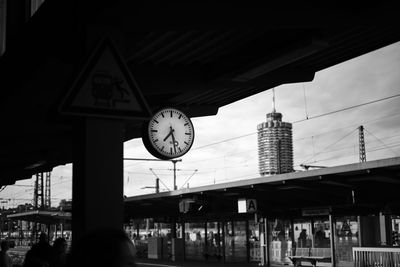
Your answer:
<point x="353" y="189"/>
<point x="195" y="56"/>
<point x="41" y="216"/>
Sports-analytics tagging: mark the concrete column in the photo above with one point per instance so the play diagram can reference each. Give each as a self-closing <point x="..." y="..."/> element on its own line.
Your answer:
<point x="97" y="186"/>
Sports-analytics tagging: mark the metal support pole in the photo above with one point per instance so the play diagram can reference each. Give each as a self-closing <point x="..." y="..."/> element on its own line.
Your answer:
<point x="157" y="185"/>
<point x="223" y="242"/>
<point x="174" y="162"/>
<point x="332" y="226"/>
<point x="266" y="227"/>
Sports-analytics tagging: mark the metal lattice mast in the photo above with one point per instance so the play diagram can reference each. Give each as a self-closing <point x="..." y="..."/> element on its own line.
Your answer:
<point x="38" y="200"/>
<point x="47" y="195"/>
<point x="363" y="156"/>
<point x="38" y="203"/>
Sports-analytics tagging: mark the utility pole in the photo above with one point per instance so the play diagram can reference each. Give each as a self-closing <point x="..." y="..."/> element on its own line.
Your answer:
<point x="157" y="185"/>
<point x="174" y="161"/>
<point x="157" y="181"/>
<point x="361" y="141"/>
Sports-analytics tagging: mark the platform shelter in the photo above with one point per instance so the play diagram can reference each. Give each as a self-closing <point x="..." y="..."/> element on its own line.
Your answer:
<point x="324" y="214"/>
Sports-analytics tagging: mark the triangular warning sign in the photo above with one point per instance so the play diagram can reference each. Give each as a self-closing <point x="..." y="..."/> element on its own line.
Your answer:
<point x="106" y="88"/>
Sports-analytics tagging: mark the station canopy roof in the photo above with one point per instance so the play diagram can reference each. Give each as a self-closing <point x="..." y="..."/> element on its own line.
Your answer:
<point x="354" y="189"/>
<point x="42" y="216"/>
<point x="193" y="56"/>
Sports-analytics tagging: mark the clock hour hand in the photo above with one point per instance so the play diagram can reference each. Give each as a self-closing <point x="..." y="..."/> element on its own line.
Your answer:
<point x="170" y="133"/>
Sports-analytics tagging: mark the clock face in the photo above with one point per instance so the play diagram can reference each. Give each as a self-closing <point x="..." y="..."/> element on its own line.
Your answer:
<point x="170" y="134"/>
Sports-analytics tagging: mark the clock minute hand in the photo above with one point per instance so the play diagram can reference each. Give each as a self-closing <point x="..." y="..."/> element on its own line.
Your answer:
<point x="173" y="140"/>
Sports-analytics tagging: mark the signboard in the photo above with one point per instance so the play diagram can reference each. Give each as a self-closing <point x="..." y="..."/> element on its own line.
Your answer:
<point x="106" y="88"/>
<point x="316" y="212"/>
<point x="184" y="205"/>
<point x="251" y="205"/>
<point x="247" y="205"/>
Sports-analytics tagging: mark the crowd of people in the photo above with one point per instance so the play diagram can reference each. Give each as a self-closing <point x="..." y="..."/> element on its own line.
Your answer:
<point x="104" y="247"/>
<point x="41" y="254"/>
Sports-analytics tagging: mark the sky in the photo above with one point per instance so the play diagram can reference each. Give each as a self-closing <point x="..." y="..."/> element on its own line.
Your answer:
<point x="225" y="145"/>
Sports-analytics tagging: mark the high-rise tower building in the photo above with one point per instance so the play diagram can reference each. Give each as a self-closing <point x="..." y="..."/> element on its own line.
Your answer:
<point x="275" y="146"/>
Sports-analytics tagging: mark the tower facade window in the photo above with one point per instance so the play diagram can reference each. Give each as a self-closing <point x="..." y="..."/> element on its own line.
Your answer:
<point x="275" y="147"/>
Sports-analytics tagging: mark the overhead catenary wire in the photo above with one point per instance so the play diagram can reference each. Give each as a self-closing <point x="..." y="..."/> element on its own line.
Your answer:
<point x="394" y="152"/>
<point x="351" y="154"/>
<point x="334" y="143"/>
<point x="302" y="120"/>
<point x="347" y="108"/>
<point x="188" y="179"/>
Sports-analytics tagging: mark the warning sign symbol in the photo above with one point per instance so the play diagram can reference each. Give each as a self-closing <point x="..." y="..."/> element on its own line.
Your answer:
<point x="251" y="205"/>
<point x="106" y="88"/>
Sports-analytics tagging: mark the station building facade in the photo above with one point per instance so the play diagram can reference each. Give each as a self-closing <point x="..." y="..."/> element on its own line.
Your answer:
<point x="331" y="211"/>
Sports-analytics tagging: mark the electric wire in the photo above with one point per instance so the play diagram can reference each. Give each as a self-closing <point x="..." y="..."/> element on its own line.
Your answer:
<point x="347" y="108"/>
<point x="302" y="120"/>
<point x="382" y="142"/>
<point x="298" y="121"/>
<point x="334" y="143"/>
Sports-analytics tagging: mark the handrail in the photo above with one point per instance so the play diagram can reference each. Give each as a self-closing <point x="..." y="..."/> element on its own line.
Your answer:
<point x="376" y="256"/>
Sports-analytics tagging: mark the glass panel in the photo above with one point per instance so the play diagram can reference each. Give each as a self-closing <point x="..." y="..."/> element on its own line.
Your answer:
<point x="143" y="230"/>
<point x="194" y="241"/>
<point x="214" y="242"/>
<point x="235" y="242"/>
<point x="164" y="231"/>
<point x="254" y="242"/>
<point x="280" y="242"/>
<point x="322" y="234"/>
<point x="302" y="234"/>
<point x="395" y="230"/>
<point x="346" y="237"/>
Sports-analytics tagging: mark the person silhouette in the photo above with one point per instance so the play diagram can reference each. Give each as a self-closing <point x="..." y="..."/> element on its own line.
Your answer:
<point x="5" y="259"/>
<point x="40" y="254"/>
<point x="320" y="237"/>
<point x="60" y="252"/>
<point x="103" y="248"/>
<point x="302" y="238"/>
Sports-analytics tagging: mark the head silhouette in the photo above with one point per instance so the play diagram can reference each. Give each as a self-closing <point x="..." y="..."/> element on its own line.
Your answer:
<point x="5" y="245"/>
<point x="60" y="245"/>
<point x="104" y="247"/>
<point x="43" y="238"/>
